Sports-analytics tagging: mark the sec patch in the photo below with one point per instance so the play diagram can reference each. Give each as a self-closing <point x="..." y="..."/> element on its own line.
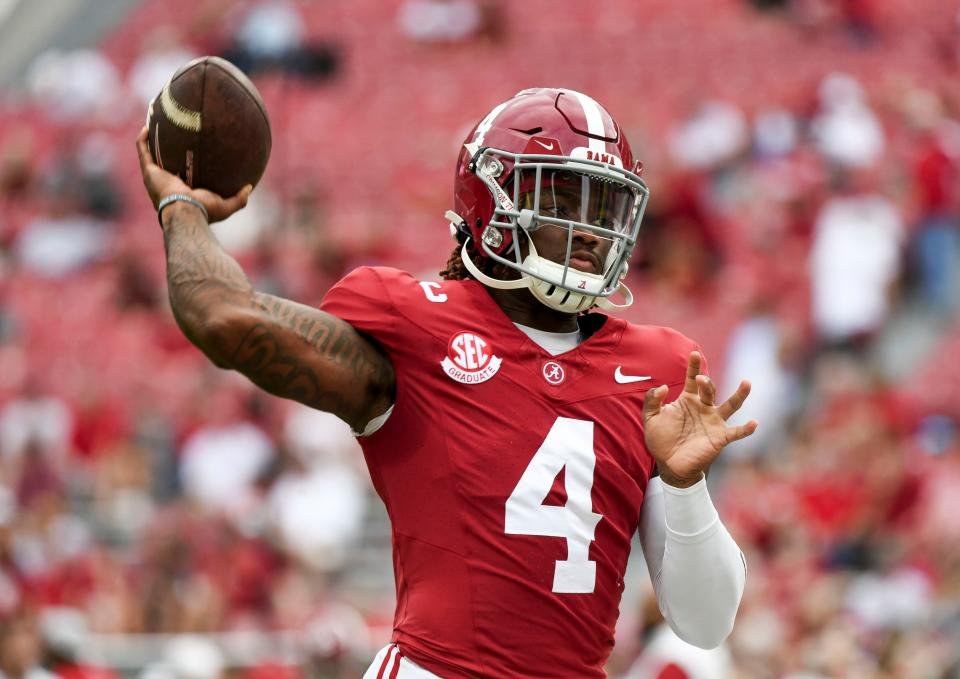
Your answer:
<point x="470" y="358"/>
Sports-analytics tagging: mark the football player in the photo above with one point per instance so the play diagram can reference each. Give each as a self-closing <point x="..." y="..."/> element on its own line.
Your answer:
<point x="517" y="434"/>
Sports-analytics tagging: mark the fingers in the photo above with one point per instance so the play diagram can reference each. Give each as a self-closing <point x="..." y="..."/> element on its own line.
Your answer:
<point x="693" y="369"/>
<point x="238" y="200"/>
<point x="741" y="432"/>
<point x="143" y="150"/>
<point x="732" y="404"/>
<point x="218" y="207"/>
<point x="653" y="401"/>
<point x="706" y="389"/>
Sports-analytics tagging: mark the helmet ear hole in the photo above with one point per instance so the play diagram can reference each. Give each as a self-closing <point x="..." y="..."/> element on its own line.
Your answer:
<point x="459" y="230"/>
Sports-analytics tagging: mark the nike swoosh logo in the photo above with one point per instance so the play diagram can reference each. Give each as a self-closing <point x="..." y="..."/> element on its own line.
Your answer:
<point x="627" y="379"/>
<point x="548" y="147"/>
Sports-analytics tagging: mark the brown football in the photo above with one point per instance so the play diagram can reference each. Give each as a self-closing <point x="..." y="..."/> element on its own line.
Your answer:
<point x="209" y="126"/>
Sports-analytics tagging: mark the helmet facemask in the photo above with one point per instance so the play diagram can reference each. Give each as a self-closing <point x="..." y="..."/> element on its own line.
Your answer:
<point x="599" y="200"/>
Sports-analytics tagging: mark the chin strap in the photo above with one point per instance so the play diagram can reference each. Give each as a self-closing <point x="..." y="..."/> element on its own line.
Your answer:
<point x="605" y="303"/>
<point x="522" y="282"/>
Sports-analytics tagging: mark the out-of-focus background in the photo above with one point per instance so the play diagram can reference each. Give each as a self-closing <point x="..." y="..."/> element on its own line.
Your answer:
<point x="161" y="519"/>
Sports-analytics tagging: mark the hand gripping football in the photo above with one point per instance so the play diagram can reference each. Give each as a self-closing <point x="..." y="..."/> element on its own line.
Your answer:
<point x="209" y="126"/>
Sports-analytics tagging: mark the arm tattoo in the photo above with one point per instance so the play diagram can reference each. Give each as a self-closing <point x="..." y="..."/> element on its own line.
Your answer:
<point x="201" y="277"/>
<point x="289" y="349"/>
<point x="299" y="352"/>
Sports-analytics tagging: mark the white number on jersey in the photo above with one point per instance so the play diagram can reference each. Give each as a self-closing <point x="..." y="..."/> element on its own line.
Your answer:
<point x="569" y="444"/>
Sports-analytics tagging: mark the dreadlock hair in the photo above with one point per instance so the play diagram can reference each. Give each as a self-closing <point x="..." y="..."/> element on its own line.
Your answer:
<point x="455" y="270"/>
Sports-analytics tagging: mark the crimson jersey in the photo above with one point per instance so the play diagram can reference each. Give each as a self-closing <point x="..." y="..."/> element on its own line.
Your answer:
<point x="513" y="478"/>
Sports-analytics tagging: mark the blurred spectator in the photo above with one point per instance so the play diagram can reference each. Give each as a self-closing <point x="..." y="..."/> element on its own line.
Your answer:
<point x="857" y="18"/>
<point x="758" y="348"/>
<point x="162" y="54"/>
<point x="336" y="634"/>
<point x="439" y="21"/>
<point x="316" y="438"/>
<point x="38" y="480"/>
<point x="715" y="132"/>
<point x="221" y="461"/>
<point x="244" y="230"/>
<point x="775" y="133"/>
<point x="35" y="419"/>
<point x="78" y="197"/>
<point x="20" y="649"/>
<point x="953" y="41"/>
<point x="65" y="639"/>
<point x="901" y="599"/>
<point x="273" y="35"/>
<point x="845" y="128"/>
<point x="317" y="511"/>
<point x="936" y="194"/>
<point x="272" y="30"/>
<point x="319" y="500"/>
<point x="61" y="243"/>
<point x="16" y="168"/>
<point x="665" y="656"/>
<point x="122" y="501"/>
<point x="194" y="657"/>
<point x="10" y="594"/>
<point x="76" y="85"/>
<point x="770" y="5"/>
<point x="854" y="259"/>
<point x="136" y="288"/>
<point x="860" y="19"/>
<point x="82" y="176"/>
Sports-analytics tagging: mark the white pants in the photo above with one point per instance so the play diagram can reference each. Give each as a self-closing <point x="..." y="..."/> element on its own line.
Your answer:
<point x="388" y="664"/>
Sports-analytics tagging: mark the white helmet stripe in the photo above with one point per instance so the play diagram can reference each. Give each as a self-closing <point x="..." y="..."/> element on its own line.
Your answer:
<point x="484" y="127"/>
<point x="594" y="115"/>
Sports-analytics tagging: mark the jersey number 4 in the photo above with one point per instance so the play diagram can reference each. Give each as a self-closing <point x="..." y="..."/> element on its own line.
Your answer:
<point x="569" y="446"/>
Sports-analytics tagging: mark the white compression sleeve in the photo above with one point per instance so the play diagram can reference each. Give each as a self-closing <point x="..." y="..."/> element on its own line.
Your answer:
<point x="697" y="569"/>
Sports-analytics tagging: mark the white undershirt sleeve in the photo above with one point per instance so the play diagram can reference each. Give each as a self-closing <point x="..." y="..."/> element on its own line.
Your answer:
<point x="697" y="569"/>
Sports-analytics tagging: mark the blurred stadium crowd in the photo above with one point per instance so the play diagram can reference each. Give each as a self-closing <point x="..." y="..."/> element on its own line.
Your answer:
<point x="162" y="519"/>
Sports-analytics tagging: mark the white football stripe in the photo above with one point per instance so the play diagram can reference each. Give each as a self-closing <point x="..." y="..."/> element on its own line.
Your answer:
<point x="178" y="114"/>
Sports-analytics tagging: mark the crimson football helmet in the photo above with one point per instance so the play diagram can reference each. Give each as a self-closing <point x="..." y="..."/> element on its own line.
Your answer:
<point x="549" y="158"/>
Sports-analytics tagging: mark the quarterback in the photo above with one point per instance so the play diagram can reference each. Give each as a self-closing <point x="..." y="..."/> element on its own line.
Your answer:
<point x="517" y="434"/>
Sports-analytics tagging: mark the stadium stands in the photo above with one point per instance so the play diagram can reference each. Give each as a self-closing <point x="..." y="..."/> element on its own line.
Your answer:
<point x="844" y="510"/>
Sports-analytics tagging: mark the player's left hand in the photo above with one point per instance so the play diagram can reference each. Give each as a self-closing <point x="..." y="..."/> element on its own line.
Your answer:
<point x="686" y="435"/>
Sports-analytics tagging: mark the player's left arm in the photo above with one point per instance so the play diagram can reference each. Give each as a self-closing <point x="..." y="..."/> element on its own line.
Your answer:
<point x="698" y="571"/>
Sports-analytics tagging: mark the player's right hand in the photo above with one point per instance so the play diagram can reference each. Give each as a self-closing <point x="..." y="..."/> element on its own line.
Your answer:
<point x="160" y="183"/>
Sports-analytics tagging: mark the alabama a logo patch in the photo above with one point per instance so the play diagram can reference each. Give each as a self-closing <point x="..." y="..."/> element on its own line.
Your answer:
<point x="470" y="359"/>
<point x="553" y="372"/>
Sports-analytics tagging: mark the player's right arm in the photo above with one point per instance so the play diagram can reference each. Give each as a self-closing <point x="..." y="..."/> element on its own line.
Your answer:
<point x="288" y="349"/>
